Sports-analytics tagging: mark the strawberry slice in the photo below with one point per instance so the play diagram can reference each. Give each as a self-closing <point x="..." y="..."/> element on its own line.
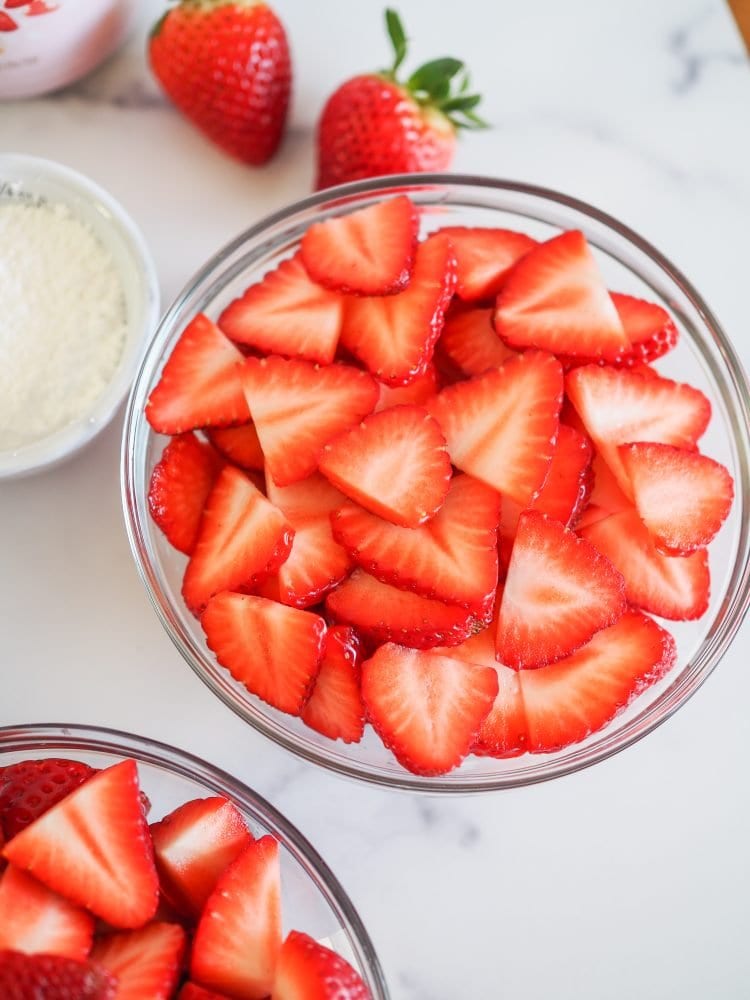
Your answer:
<point x="309" y="971"/>
<point x="192" y="847"/>
<point x="367" y="252"/>
<point x="238" y="937"/>
<point x="674" y="587"/>
<point x="52" y="977"/>
<point x="287" y="313"/>
<point x="682" y="497"/>
<point x="649" y="328"/>
<point x="243" y="538"/>
<point x="470" y="344"/>
<point x="93" y="847"/>
<point x="568" y="700"/>
<point x="568" y="484"/>
<point x="35" y="919"/>
<point x="146" y="962"/>
<point x="395" y="464"/>
<point x="485" y="258"/>
<point x="606" y="496"/>
<point x="555" y="299"/>
<point x="31" y="787"/>
<point x="426" y="708"/>
<point x="559" y="591"/>
<point x="180" y="484"/>
<point x="297" y="408"/>
<point x="192" y="992"/>
<point x="335" y="707"/>
<point x="199" y="385"/>
<point x="239" y="444"/>
<point x="274" y="650"/>
<point x="385" y="614"/>
<point x="394" y="336"/>
<point x="418" y="391"/>
<point x="501" y="427"/>
<point x="6" y="22"/>
<point x="452" y="558"/>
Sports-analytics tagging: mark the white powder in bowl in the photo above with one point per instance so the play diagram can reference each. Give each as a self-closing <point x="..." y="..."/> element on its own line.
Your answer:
<point x="62" y="320"/>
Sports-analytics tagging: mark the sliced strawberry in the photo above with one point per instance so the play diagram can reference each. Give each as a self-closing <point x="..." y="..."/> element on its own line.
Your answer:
<point x="274" y="650"/>
<point x="485" y="258"/>
<point x="649" y="328"/>
<point x="31" y="787"/>
<point x="297" y="408"/>
<point x="606" y="496"/>
<point x="180" y="483"/>
<point x="243" y="538"/>
<point x="568" y="700"/>
<point x="506" y="532"/>
<point x="147" y="962"/>
<point x="394" y="336"/>
<point x="418" y="391"/>
<point x="682" y="497"/>
<point x="238" y="938"/>
<point x="469" y="342"/>
<point x="199" y="385"/>
<point x="426" y="708"/>
<point x="335" y="706"/>
<point x="35" y="919"/>
<point x="452" y="558"/>
<point x="52" y="977"/>
<point x="395" y="464"/>
<point x="287" y="313"/>
<point x="309" y="971"/>
<point x="559" y="591"/>
<point x="366" y="252"/>
<point x="674" y="587"/>
<point x="501" y="427"/>
<point x="239" y="444"/>
<point x="192" y="992"/>
<point x="567" y="486"/>
<point x="192" y="847"/>
<point x="93" y="847"/>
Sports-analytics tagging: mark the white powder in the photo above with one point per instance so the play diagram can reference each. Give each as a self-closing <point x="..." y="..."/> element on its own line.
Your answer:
<point x="62" y="320"/>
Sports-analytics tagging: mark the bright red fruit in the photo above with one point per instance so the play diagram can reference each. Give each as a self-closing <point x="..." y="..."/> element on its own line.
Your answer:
<point x="180" y="484"/>
<point x="30" y="787"/>
<point x="469" y="343"/>
<point x="569" y="480"/>
<point x="485" y="257"/>
<point x="309" y="971"/>
<point x="335" y="706"/>
<point x="239" y="444"/>
<point x="51" y="977"/>
<point x="146" y="962"/>
<point x="33" y="919"/>
<point x="192" y="992"/>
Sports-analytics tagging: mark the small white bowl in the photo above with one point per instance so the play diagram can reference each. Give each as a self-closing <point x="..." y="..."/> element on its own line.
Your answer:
<point x="30" y="178"/>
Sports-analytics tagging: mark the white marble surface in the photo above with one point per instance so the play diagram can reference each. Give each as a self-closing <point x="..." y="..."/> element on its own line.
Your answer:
<point x="629" y="880"/>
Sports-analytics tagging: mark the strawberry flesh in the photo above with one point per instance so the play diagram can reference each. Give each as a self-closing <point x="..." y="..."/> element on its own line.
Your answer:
<point x="146" y="962"/>
<point x="239" y="445"/>
<point x="469" y="343"/>
<point x="33" y="919"/>
<point x="485" y="257"/>
<point x="309" y="971"/>
<point x="335" y="706"/>
<point x="568" y="483"/>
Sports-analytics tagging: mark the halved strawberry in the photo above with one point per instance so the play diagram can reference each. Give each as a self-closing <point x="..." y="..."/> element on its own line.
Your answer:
<point x="420" y="389"/>
<point x="485" y="257"/>
<point x="674" y="587"/>
<point x="469" y="342"/>
<point x="192" y="992"/>
<point x="30" y="787"/>
<point x="52" y="977"/>
<point x="568" y="483"/>
<point x="243" y="538"/>
<point x="452" y="558"/>
<point x="147" y="962"/>
<point x="33" y="919"/>
<point x="287" y="313"/>
<point x="93" y="847"/>
<point x="179" y="487"/>
<point x="239" y="444"/>
<point x="606" y="496"/>
<point x="568" y="700"/>
<point x="501" y="427"/>
<point x="309" y="971"/>
<point x="335" y="706"/>
<point x="238" y="937"/>
<point x="426" y="708"/>
<point x="394" y="336"/>
<point x="649" y="328"/>
<point x="395" y="464"/>
<point x="298" y="407"/>
<point x="274" y="650"/>
<point x="366" y="252"/>
<point x="559" y="591"/>
<point x="199" y="385"/>
<point x="192" y="847"/>
<point x="682" y="497"/>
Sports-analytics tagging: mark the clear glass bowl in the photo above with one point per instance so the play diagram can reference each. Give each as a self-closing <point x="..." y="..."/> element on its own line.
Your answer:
<point x="704" y="357"/>
<point x="312" y="899"/>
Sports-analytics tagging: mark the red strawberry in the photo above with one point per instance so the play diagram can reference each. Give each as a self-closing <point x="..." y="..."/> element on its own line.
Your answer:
<point x="395" y="464"/>
<point x="35" y="919"/>
<point x="297" y="408"/>
<point x="275" y="651"/>
<point x="6" y="22"/>
<point x="574" y="697"/>
<point x="555" y="299"/>
<point x="606" y="496"/>
<point x="192" y="992"/>
<point x="93" y="847"/>
<point x="287" y="313"/>
<point x="51" y="977"/>
<point x="146" y="962"/>
<point x="418" y="391"/>
<point x="192" y="847"/>
<point x="335" y="706"/>
<point x="469" y="342"/>
<point x="226" y="65"/>
<point x="238" y="938"/>
<point x="309" y="971"/>
<point x="31" y="787"/>
<point x="367" y="252"/>
<point x="374" y="124"/>
<point x="426" y="708"/>
<point x="180" y="484"/>
<point x="559" y="591"/>
<point x="239" y="444"/>
<point x="394" y="335"/>
<point x="452" y="558"/>
<point x="485" y="258"/>
<point x="501" y="427"/>
<point x="568" y="483"/>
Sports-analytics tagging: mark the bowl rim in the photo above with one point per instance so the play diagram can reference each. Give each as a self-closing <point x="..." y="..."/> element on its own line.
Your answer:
<point x="577" y="759"/>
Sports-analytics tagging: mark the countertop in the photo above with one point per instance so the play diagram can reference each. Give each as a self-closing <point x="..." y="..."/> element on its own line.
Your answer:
<point x="630" y="879"/>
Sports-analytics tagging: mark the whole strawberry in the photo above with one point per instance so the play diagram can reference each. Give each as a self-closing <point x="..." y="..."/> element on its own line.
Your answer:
<point x="375" y="124"/>
<point x="226" y="65"/>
